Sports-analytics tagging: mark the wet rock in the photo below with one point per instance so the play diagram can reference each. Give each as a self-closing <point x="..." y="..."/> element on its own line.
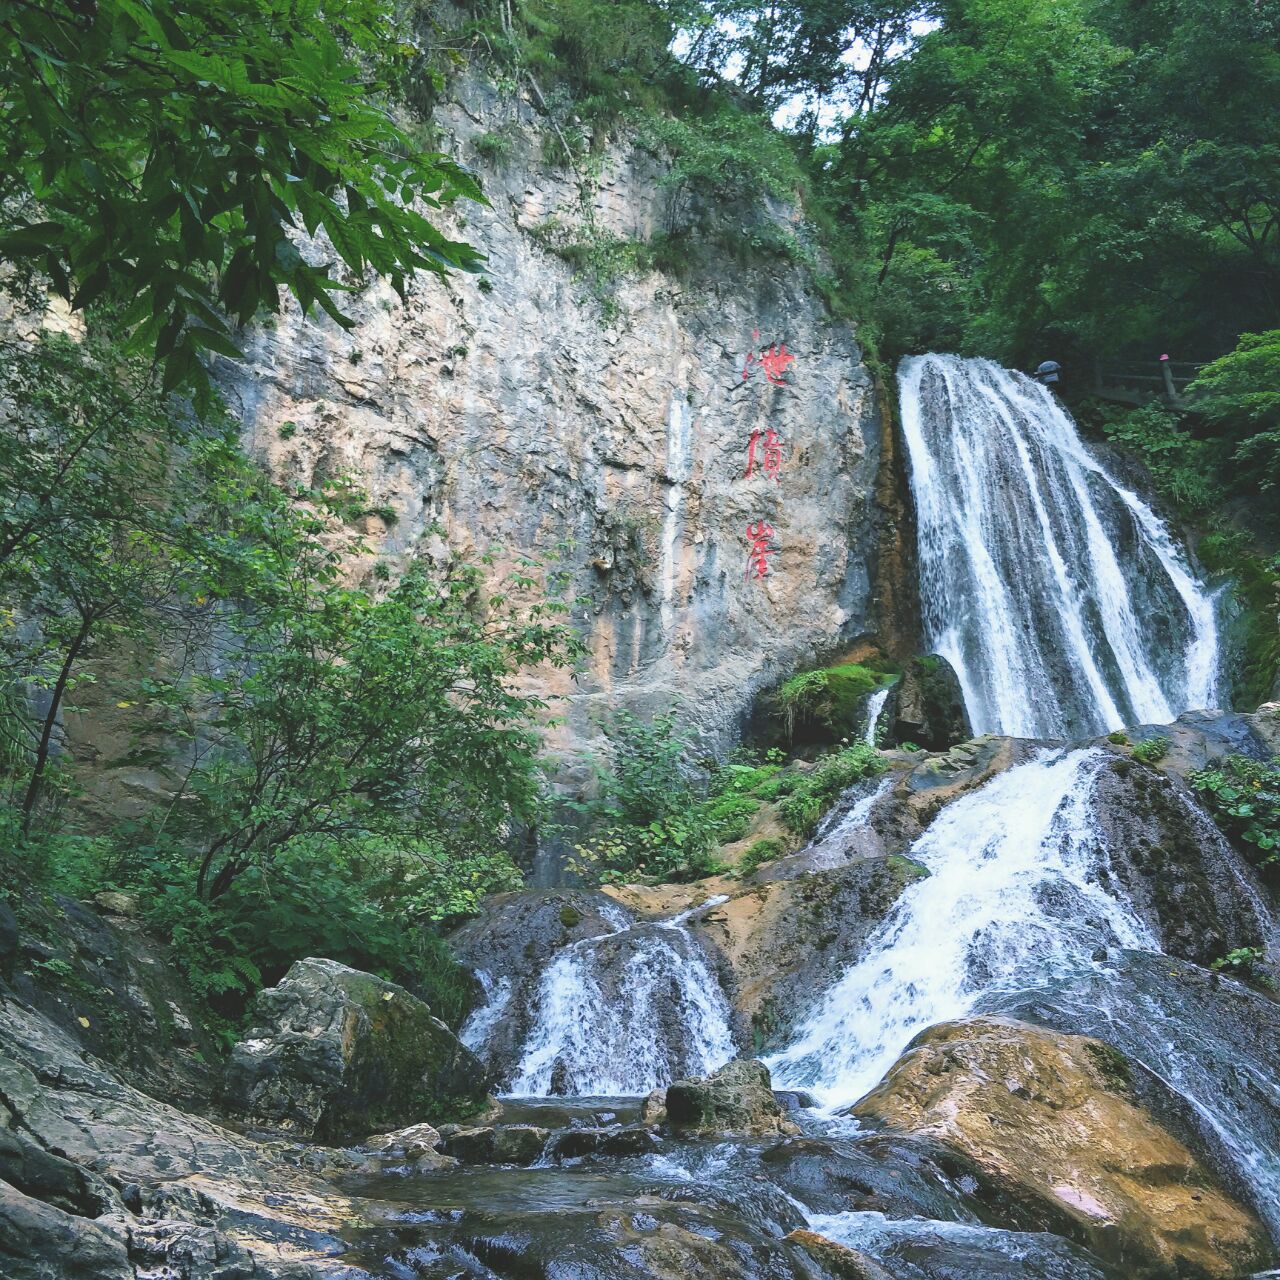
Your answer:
<point x="928" y="705"/>
<point x="512" y="941"/>
<point x="653" y="1110"/>
<point x="790" y="937"/>
<point x="877" y="1173"/>
<point x="115" y="990"/>
<point x="334" y="1051"/>
<point x="917" y="1249"/>
<point x="645" y="1238"/>
<point x="624" y="1140"/>
<point x="520" y="1144"/>
<point x="1176" y="1022"/>
<point x="1197" y="738"/>
<point x="108" y="1174"/>
<point x="1057" y="1142"/>
<point x="838" y="1259"/>
<point x="1197" y="894"/>
<point x="1264" y="724"/>
<point x="41" y="1242"/>
<point x="416" y="1140"/>
<point x="736" y="1099"/>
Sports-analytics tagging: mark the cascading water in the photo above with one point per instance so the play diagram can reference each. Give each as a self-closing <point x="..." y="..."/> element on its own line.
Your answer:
<point x="1057" y="595"/>
<point x="1013" y="907"/>
<point x="875" y="705"/>
<point x="1012" y="869"/>
<point x="625" y="1012"/>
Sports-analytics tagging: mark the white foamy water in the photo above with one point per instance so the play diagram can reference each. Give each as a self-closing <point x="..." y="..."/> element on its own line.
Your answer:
<point x="1012" y="873"/>
<point x="875" y="705"/>
<point x="626" y="1012"/>
<point x="1059" y="597"/>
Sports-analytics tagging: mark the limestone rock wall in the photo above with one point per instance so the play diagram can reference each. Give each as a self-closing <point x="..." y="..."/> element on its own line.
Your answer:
<point x="605" y="439"/>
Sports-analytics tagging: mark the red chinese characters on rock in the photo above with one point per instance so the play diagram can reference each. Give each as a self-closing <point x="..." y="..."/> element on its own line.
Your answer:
<point x="769" y="445"/>
<point x="774" y="360"/>
<point x="760" y="535"/>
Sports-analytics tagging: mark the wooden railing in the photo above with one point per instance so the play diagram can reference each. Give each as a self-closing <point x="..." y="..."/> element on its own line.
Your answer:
<point x="1140" y="382"/>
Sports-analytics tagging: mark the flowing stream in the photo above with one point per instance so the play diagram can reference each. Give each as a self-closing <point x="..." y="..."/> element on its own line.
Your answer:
<point x="1057" y="594"/>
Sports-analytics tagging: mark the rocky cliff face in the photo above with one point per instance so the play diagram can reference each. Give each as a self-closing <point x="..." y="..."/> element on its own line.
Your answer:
<point x="606" y="437"/>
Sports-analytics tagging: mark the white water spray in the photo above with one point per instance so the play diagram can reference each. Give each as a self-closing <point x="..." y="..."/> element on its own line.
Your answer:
<point x="626" y="1012"/>
<point x="1058" y="596"/>
<point x="1012" y="876"/>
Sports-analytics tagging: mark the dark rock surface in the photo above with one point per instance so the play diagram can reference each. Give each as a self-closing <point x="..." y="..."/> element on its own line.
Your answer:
<point x="99" y="1181"/>
<point x="513" y="940"/>
<point x="335" y="1052"/>
<point x="1197" y="894"/>
<point x="927" y="705"/>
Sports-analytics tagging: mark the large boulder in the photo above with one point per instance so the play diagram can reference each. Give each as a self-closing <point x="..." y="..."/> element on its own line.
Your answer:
<point x="928" y="705"/>
<point x="99" y="1181"/>
<point x="1048" y="1126"/>
<point x="335" y="1053"/>
<point x="736" y="1099"/>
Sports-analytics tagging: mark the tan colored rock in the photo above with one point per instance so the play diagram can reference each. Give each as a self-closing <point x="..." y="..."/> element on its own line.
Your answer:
<point x="606" y="434"/>
<point x="736" y="1099"/>
<point x="413" y="1142"/>
<point x="838" y="1259"/>
<point x="1057" y="1140"/>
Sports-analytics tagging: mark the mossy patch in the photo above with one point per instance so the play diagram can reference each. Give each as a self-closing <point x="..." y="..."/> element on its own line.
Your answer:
<point x="824" y="705"/>
<point x="1112" y="1066"/>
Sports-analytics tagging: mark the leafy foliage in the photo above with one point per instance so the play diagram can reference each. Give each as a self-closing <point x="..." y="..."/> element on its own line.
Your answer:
<point x="653" y="816"/>
<point x="1151" y="750"/>
<point x="1239" y="393"/>
<point x="825" y="701"/>
<point x="758" y="853"/>
<point x="1244" y="796"/>
<point x="347" y="766"/>
<point x="164" y="155"/>
<point x="817" y="791"/>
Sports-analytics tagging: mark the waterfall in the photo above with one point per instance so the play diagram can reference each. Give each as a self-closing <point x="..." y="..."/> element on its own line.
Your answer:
<point x="875" y="705"/>
<point x="625" y="1012"/>
<point x="1058" y="596"/>
<point x="1012" y="870"/>
<point x="1013" y="916"/>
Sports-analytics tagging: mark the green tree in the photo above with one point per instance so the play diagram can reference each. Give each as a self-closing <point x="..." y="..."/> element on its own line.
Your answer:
<point x="167" y="155"/>
<point x="1239" y="393"/>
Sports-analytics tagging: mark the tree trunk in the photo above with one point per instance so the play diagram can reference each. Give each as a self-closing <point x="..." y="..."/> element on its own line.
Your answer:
<point x="36" y="782"/>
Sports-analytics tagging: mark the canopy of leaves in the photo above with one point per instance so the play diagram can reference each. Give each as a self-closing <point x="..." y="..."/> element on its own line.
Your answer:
<point x="166" y="155"/>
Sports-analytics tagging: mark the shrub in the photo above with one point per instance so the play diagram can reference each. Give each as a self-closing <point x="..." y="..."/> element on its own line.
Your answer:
<point x="1152" y="750"/>
<point x="1243" y="796"/>
<point x="760" y="852"/>
<point x="1119" y="737"/>
<point x="815" y="793"/>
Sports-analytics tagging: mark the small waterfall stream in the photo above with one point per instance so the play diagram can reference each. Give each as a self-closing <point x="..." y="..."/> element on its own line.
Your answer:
<point x="625" y="1012"/>
<point x="1057" y="595"/>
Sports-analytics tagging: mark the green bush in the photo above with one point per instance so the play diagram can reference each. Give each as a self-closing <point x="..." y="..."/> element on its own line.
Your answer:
<point x="817" y="791"/>
<point x="758" y="853"/>
<point x="1244" y="797"/>
<point x="1152" y="750"/>
<point x="654" y="817"/>
<point x="1119" y="737"/>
